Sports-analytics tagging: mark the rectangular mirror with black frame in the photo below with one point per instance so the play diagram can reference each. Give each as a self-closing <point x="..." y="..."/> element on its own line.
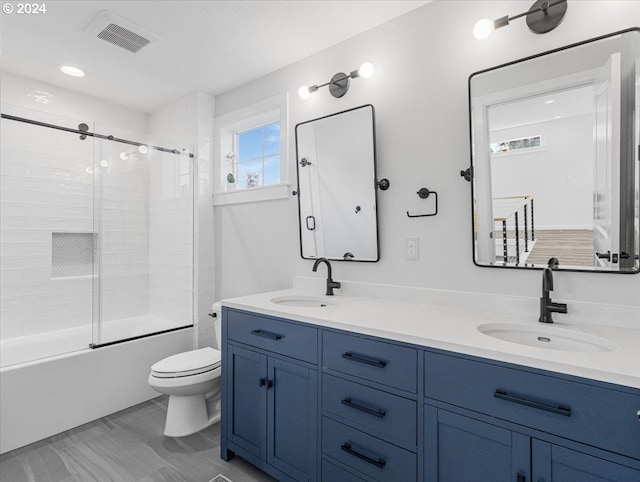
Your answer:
<point x="337" y="194"/>
<point x="554" y="158"/>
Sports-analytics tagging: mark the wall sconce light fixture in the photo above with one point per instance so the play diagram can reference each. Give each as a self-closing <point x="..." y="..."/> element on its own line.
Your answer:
<point x="542" y="17"/>
<point x="339" y="83"/>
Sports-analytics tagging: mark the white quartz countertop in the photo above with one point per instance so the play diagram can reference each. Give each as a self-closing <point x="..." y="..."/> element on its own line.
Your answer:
<point x="456" y="329"/>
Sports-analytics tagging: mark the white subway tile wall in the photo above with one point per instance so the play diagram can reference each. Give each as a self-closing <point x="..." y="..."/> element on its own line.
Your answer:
<point x="45" y="189"/>
<point x="171" y="231"/>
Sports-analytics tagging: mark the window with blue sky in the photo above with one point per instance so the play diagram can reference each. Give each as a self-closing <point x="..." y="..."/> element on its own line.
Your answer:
<point x="252" y="153"/>
<point x="258" y="156"/>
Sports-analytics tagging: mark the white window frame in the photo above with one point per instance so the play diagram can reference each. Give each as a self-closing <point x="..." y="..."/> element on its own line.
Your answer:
<point x="227" y="126"/>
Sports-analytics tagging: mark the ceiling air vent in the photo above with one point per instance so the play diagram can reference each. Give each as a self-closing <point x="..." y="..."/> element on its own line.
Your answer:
<point x="123" y="37"/>
<point x="121" y="33"/>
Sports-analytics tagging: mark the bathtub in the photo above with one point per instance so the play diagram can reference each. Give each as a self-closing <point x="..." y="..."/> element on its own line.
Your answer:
<point x="54" y="393"/>
<point x="14" y="351"/>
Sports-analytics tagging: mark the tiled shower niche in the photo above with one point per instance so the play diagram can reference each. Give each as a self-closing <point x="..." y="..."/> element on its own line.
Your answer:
<point x="72" y="254"/>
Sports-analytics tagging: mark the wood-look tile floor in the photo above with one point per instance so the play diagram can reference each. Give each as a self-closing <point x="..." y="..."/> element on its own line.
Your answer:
<point x="571" y="246"/>
<point x="127" y="446"/>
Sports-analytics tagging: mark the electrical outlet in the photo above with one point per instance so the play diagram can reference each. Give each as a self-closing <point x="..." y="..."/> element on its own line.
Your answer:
<point x="412" y="248"/>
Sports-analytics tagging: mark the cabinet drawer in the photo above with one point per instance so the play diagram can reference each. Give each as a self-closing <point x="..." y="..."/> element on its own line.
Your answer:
<point x="377" y="459"/>
<point x="385" y="363"/>
<point x="333" y="473"/>
<point x="597" y="416"/>
<point x="391" y="417"/>
<point x="278" y="336"/>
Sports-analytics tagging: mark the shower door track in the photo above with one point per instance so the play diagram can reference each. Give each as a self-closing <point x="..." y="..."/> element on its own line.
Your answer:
<point x="147" y="335"/>
<point x="93" y="134"/>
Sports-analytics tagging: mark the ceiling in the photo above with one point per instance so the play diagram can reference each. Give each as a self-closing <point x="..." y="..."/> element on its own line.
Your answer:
<point x="208" y="45"/>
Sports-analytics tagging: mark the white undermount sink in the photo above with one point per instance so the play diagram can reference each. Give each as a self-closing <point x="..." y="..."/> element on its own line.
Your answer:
<point x="547" y="336"/>
<point x="301" y="301"/>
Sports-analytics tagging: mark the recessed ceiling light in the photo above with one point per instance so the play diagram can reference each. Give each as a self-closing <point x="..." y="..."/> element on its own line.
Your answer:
<point x="549" y="101"/>
<point x="72" y="71"/>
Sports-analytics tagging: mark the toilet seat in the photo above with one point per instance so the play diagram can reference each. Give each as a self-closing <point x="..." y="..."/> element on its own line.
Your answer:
<point x="188" y="363"/>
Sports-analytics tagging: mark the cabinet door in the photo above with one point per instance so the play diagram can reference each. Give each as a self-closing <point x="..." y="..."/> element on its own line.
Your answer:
<point x="460" y="448"/>
<point x="246" y="389"/>
<point x="552" y="463"/>
<point x="292" y="431"/>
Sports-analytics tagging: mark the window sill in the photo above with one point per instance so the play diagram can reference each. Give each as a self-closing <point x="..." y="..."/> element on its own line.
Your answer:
<point x="257" y="194"/>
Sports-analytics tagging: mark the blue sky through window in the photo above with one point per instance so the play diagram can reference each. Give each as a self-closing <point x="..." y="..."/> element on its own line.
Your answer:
<point x="259" y="156"/>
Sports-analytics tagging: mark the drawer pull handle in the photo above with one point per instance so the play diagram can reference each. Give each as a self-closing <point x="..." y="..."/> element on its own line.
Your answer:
<point x="362" y="408"/>
<point x="378" y="463"/>
<point x="560" y="409"/>
<point x="521" y="477"/>
<point x="364" y="359"/>
<point x="266" y="334"/>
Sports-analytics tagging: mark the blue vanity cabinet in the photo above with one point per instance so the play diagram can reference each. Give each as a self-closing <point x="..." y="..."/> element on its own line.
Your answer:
<point x="292" y="422"/>
<point x="247" y="418"/>
<point x="369" y="409"/>
<point x="270" y="401"/>
<point x="499" y="422"/>
<point x="555" y="463"/>
<point x="459" y="448"/>
<point x="307" y="403"/>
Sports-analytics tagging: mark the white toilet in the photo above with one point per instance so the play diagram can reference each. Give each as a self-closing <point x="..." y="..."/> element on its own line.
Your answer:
<point x="192" y="381"/>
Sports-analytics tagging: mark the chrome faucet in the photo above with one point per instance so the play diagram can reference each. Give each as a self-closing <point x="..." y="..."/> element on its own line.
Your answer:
<point x="546" y="305"/>
<point x="330" y="283"/>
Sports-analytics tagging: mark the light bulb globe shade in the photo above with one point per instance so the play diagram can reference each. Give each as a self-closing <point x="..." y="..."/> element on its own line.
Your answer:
<point x="72" y="71"/>
<point x="143" y="149"/>
<point x="366" y="70"/>
<point x="124" y="156"/>
<point x="304" y="93"/>
<point x="483" y="28"/>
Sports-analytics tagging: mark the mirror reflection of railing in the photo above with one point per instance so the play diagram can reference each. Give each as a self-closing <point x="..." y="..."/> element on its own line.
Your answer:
<point x="561" y="128"/>
<point x="337" y="186"/>
<point x="506" y="210"/>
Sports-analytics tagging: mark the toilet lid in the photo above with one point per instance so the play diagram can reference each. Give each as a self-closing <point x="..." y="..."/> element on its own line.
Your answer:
<point x="188" y="363"/>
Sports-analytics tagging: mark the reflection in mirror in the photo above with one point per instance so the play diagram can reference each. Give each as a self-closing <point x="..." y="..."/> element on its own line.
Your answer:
<point x="336" y="186"/>
<point x="554" y="150"/>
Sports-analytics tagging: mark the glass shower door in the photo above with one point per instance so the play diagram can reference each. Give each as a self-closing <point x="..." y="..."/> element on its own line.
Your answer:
<point x="144" y="220"/>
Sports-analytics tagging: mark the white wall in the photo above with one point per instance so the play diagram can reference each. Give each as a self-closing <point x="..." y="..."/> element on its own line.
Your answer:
<point x="423" y="61"/>
<point x="557" y="172"/>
